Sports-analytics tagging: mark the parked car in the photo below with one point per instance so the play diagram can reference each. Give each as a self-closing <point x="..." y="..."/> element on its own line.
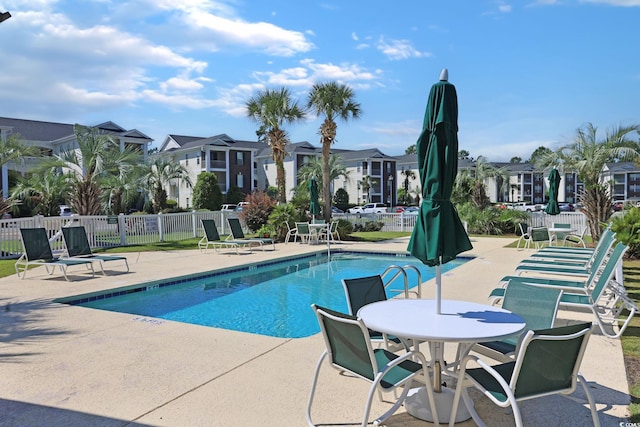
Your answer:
<point x="412" y="210"/>
<point x="336" y="210"/>
<point x="566" y="207"/>
<point x="240" y="206"/>
<point x="228" y="208"/>
<point x="525" y="207"/>
<point x="369" y="208"/>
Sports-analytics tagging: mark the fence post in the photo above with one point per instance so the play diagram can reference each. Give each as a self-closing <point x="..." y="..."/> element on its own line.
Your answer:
<point x="194" y="224"/>
<point x="122" y="227"/>
<point x="160" y="230"/>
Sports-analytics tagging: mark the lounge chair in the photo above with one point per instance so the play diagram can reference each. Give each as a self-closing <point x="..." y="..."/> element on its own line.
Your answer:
<point x="605" y="297"/>
<point x="598" y="279"/>
<point x="349" y="349"/>
<point x="568" y="269"/>
<point x="547" y="363"/>
<point x="606" y="241"/>
<point x="238" y="235"/>
<point x="212" y="239"/>
<point x="536" y="305"/>
<point x="77" y="244"/>
<point x="37" y="251"/>
<point x="559" y="261"/>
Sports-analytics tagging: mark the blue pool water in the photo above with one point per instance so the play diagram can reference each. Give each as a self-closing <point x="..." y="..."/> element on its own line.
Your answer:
<point x="273" y="299"/>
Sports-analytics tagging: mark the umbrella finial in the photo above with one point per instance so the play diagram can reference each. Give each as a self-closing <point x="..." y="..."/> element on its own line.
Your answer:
<point x="444" y="75"/>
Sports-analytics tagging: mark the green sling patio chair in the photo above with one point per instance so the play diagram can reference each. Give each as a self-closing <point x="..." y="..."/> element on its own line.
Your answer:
<point x="539" y="236"/>
<point x="525" y="237"/>
<point x="361" y="291"/>
<point x="305" y="233"/>
<point x="37" y="251"/>
<point x="348" y="349"/>
<point x="547" y="363"/>
<point x="238" y="235"/>
<point x="212" y="239"/>
<point x="77" y="244"/>
<point x="536" y="305"/>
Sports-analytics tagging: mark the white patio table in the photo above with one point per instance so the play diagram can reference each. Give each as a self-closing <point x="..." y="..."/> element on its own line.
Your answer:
<point x="553" y="233"/>
<point x="462" y="322"/>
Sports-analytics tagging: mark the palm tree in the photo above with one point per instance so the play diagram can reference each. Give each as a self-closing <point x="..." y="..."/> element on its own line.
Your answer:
<point x="272" y="109"/>
<point x="332" y="100"/>
<point x="409" y="174"/>
<point x="587" y="155"/>
<point x="313" y="169"/>
<point x="13" y="150"/>
<point x="366" y="183"/>
<point x="45" y="190"/>
<point x="159" y="173"/>
<point x="96" y="157"/>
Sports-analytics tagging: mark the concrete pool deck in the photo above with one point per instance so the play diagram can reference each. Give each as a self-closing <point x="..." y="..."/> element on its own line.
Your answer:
<point x="73" y="366"/>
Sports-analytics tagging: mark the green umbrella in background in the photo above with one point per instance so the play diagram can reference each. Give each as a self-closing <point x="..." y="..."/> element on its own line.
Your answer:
<point x="439" y="235"/>
<point x="314" y="204"/>
<point x="554" y="183"/>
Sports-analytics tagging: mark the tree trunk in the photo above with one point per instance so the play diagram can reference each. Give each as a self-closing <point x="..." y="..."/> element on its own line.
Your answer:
<point x="327" y="136"/>
<point x="596" y="206"/>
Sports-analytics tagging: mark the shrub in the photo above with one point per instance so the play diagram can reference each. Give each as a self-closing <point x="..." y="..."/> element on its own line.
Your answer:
<point x="206" y="192"/>
<point x="490" y="220"/>
<point x="344" y="228"/>
<point x="234" y="195"/>
<point x="627" y="228"/>
<point x="282" y="215"/>
<point x="257" y="212"/>
<point x="369" y="226"/>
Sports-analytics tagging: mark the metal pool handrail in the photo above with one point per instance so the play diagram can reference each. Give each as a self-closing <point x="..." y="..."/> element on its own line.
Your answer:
<point x="402" y="271"/>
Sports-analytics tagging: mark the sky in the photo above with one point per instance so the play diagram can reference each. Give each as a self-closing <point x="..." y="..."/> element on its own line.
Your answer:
<point x="527" y="73"/>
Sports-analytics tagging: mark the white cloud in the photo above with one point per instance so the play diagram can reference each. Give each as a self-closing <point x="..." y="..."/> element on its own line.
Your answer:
<point x="399" y="49"/>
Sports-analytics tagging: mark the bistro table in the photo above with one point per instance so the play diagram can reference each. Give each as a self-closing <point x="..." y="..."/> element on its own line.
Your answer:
<point x="462" y="322"/>
<point x="319" y="229"/>
<point x="553" y="233"/>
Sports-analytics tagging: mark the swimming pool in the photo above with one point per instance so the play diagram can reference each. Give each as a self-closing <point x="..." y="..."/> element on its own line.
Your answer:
<point x="271" y="299"/>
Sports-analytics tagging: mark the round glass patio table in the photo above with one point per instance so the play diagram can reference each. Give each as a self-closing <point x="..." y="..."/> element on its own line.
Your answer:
<point x="462" y="322"/>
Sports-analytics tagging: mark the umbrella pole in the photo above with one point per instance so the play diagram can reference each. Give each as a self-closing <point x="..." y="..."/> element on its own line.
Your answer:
<point x="438" y="288"/>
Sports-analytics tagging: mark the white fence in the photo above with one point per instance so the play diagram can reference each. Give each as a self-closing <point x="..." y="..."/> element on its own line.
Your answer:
<point x="578" y="220"/>
<point x="122" y="230"/>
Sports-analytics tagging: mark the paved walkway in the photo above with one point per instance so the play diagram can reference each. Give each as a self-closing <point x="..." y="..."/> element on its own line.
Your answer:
<point x="73" y="366"/>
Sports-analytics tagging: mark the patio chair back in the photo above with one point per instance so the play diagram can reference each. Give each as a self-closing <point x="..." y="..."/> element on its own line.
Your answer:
<point x="362" y="291"/>
<point x="76" y="241"/>
<point x="539" y="235"/>
<point x="608" y="270"/>
<point x="549" y="360"/>
<point x="210" y="230"/>
<point x="347" y="343"/>
<point x="36" y="244"/>
<point x="236" y="228"/>
<point x="536" y="305"/>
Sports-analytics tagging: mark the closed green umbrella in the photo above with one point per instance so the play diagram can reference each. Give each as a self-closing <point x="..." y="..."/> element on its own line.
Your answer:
<point x="438" y="236"/>
<point x="554" y="183"/>
<point x="314" y="204"/>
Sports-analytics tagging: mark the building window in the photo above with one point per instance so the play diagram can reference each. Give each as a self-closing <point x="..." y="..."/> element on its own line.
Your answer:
<point x="187" y="202"/>
<point x="240" y="158"/>
<point x="186" y="160"/>
<point x="240" y="180"/>
<point x="197" y="160"/>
